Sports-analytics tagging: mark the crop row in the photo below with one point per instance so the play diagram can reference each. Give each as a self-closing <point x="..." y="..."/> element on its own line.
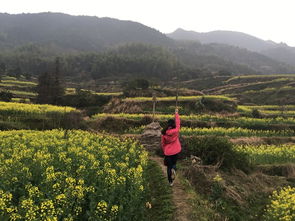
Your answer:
<point x="11" y="109"/>
<point x="269" y="154"/>
<point x="23" y="93"/>
<point x="246" y="122"/>
<point x="220" y="131"/>
<point x="271" y="110"/>
<point x="15" y="82"/>
<point x="180" y="98"/>
<point x="269" y="107"/>
<point x="50" y="175"/>
<point x="71" y="91"/>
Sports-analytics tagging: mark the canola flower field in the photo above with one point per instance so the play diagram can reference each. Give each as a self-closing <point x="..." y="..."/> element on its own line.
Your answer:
<point x="235" y="132"/>
<point x="221" y="131"/>
<point x="240" y="121"/>
<point x="269" y="110"/>
<point x="18" y="83"/>
<point x="11" y="109"/>
<point x="269" y="154"/>
<point x="282" y="205"/>
<point x="83" y="176"/>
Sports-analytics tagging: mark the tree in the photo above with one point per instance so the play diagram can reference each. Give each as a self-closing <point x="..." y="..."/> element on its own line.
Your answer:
<point x="2" y="68"/>
<point x="6" y="96"/>
<point x="50" y="89"/>
<point x="137" y="84"/>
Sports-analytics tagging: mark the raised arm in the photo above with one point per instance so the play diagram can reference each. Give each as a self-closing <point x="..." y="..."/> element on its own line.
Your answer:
<point x="177" y="124"/>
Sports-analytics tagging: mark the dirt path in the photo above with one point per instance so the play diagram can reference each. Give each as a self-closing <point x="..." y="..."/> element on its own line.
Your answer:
<point x="180" y="197"/>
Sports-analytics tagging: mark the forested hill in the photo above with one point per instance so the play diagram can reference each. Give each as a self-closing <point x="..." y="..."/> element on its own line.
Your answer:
<point x="226" y="57"/>
<point x="103" y="47"/>
<point x="238" y="39"/>
<point x="74" y="32"/>
<point x="280" y="52"/>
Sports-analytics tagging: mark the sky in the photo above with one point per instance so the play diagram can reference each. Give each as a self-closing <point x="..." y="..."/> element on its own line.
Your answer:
<point x="265" y="19"/>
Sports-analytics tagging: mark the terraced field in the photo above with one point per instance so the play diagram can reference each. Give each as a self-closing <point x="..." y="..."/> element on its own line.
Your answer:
<point x="254" y="89"/>
<point x="66" y="161"/>
<point x="23" y="90"/>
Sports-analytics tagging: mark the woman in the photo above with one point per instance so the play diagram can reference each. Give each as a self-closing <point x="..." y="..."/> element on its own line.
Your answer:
<point x="171" y="146"/>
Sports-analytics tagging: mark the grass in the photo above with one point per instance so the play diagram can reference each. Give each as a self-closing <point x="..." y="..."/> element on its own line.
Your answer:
<point x="202" y="209"/>
<point x="159" y="194"/>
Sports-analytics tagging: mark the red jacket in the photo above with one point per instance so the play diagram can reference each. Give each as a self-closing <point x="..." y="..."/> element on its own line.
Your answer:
<point x="170" y="141"/>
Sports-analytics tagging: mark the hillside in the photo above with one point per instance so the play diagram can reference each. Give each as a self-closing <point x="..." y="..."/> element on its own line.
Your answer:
<point x="251" y="89"/>
<point x="238" y="39"/>
<point x="74" y="32"/>
<point x="92" y="48"/>
<point x="232" y="59"/>
<point x="280" y="52"/>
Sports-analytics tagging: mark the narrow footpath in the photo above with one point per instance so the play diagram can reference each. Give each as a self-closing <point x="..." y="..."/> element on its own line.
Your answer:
<point x="180" y="197"/>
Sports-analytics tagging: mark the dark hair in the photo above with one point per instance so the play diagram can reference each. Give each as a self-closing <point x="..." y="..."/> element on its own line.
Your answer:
<point x="170" y="124"/>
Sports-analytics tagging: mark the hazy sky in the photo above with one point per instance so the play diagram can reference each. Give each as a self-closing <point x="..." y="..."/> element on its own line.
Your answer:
<point x="266" y="19"/>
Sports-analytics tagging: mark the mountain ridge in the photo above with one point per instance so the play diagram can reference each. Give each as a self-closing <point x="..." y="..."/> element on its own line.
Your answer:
<point x="28" y="42"/>
<point x="239" y="39"/>
<point x="78" y="32"/>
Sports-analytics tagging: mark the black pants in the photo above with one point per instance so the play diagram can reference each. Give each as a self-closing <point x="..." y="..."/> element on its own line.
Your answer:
<point x="170" y="162"/>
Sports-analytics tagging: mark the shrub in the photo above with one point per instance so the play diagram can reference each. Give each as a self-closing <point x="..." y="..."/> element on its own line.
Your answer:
<point x="119" y="125"/>
<point x="6" y="96"/>
<point x="85" y="99"/>
<point x="215" y="105"/>
<point x="213" y="149"/>
<point x="256" y="113"/>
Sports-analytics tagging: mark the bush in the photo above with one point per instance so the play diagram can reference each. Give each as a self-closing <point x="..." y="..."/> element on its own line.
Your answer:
<point x="137" y="84"/>
<point x="256" y="113"/>
<point x="215" y="105"/>
<point x="213" y="149"/>
<point x="85" y="99"/>
<point x="118" y="125"/>
<point x="6" y="96"/>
